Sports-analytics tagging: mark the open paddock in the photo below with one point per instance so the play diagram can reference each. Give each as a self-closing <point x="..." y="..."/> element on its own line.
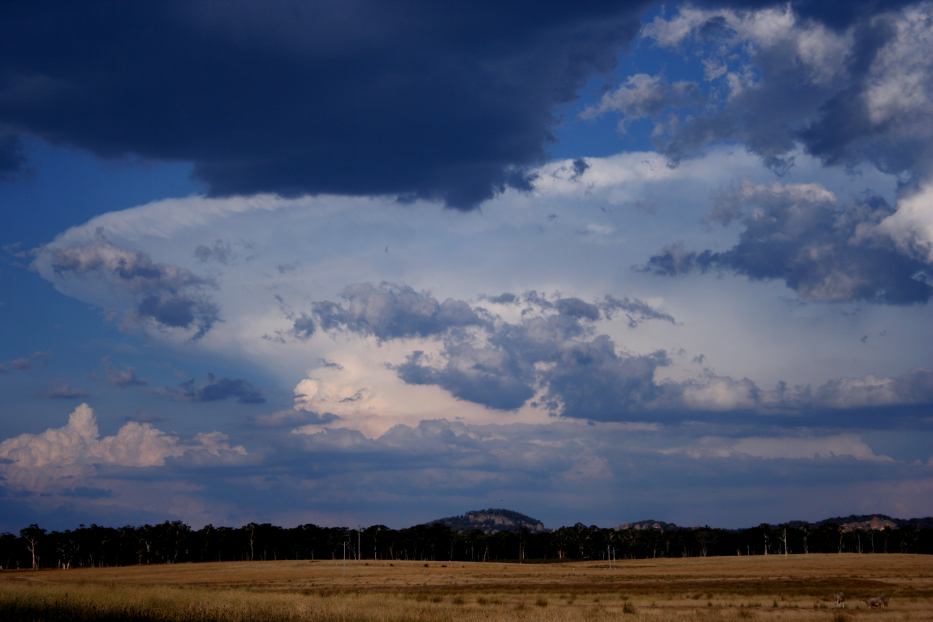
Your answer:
<point x="778" y="588"/>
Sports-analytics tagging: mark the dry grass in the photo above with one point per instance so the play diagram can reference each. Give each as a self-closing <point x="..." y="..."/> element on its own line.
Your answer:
<point x="771" y="588"/>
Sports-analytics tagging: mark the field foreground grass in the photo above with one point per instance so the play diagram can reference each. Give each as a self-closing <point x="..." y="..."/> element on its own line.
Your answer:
<point x="773" y="588"/>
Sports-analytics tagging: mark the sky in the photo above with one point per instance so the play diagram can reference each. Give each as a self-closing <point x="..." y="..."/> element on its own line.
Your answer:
<point x="365" y="263"/>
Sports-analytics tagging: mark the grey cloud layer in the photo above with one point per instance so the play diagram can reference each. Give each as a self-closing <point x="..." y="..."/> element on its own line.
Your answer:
<point x="635" y="310"/>
<point x="23" y="363"/>
<point x="171" y="296"/>
<point x="122" y="377"/>
<point x="217" y="389"/>
<point x="387" y="311"/>
<point x="553" y="356"/>
<point x="501" y="364"/>
<point x="590" y="466"/>
<point x="64" y="391"/>
<point x="824" y="250"/>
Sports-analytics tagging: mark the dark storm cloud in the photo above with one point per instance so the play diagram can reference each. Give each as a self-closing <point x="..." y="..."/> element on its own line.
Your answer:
<point x="591" y="380"/>
<point x="12" y="157"/>
<point x="492" y="377"/>
<point x="218" y="389"/>
<point x="448" y="101"/>
<point x="390" y="311"/>
<point x="803" y="236"/>
<point x="169" y="295"/>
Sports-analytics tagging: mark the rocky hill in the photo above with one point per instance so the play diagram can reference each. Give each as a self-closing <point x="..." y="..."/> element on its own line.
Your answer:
<point x="492" y="520"/>
<point x="645" y="525"/>
<point x="876" y="522"/>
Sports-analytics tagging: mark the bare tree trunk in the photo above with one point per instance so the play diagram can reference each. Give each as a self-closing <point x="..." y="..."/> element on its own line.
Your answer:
<point x="31" y="545"/>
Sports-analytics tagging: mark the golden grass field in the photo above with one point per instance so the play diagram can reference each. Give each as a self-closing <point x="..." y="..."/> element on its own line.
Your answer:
<point x="773" y="588"/>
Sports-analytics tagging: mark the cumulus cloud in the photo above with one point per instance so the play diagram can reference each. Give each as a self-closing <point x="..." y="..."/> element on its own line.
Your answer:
<point x="801" y="234"/>
<point x="592" y="380"/>
<point x="849" y="94"/>
<point x="550" y="350"/>
<point x="492" y="377"/>
<point x="169" y="296"/>
<point x="859" y="93"/>
<point x="714" y="392"/>
<point x="70" y="454"/>
<point x="911" y="226"/>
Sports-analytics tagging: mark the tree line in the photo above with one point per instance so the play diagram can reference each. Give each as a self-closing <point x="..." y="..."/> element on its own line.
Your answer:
<point x="175" y="542"/>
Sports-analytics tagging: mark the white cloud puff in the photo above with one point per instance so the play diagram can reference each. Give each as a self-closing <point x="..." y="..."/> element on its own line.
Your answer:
<point x="911" y="226"/>
<point x="69" y="454"/>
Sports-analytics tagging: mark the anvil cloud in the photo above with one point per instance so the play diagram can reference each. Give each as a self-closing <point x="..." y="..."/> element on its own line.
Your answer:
<point x="341" y="262"/>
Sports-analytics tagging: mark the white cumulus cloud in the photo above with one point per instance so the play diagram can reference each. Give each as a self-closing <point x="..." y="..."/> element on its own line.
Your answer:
<point x="67" y="456"/>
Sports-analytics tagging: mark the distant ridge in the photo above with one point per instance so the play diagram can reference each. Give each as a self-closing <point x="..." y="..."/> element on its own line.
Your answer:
<point x="495" y="520"/>
<point x="491" y="520"/>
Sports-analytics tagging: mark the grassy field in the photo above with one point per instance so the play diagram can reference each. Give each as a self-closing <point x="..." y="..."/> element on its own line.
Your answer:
<point x="728" y="588"/>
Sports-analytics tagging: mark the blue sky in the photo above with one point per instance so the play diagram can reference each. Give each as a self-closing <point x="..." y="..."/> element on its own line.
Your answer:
<point x="348" y="265"/>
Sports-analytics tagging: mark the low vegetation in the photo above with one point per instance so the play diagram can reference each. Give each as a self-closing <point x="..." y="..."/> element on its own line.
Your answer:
<point x="776" y="588"/>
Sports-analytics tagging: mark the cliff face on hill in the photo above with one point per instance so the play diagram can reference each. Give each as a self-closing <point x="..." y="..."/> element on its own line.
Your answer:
<point x="492" y="520"/>
<point x="875" y="522"/>
<point x="650" y="524"/>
